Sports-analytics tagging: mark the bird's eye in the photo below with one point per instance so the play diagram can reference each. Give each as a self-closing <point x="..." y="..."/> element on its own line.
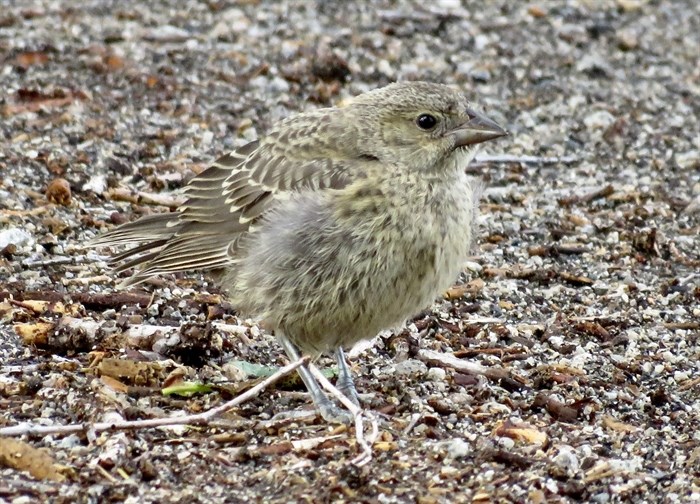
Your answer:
<point x="426" y="121"/>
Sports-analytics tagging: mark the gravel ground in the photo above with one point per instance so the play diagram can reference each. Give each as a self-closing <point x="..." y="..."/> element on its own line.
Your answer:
<point x="583" y="297"/>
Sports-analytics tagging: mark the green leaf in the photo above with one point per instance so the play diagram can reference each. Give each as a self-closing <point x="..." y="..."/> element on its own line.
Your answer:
<point x="187" y="389"/>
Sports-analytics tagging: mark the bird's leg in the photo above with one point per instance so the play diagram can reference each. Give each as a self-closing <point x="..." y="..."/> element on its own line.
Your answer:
<point x="345" y="382"/>
<point x="328" y="409"/>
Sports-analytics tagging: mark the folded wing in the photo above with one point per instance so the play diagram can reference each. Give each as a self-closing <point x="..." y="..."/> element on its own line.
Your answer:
<point x="223" y="203"/>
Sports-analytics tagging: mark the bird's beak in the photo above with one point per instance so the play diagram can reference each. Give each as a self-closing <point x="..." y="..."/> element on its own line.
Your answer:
<point x="478" y="128"/>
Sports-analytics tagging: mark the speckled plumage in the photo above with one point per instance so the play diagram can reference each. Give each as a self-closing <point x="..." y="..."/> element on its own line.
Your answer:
<point x="338" y="223"/>
<point x="330" y="268"/>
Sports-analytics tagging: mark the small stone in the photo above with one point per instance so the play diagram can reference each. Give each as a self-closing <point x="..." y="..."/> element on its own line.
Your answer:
<point x="506" y="443"/>
<point x="96" y="184"/>
<point x="480" y="75"/>
<point x="600" y="119"/>
<point x="436" y="374"/>
<point x="232" y="22"/>
<point x="58" y="192"/>
<point x="594" y="66"/>
<point x="449" y="4"/>
<point x="481" y="41"/>
<point x="693" y="206"/>
<point x="278" y="85"/>
<point x="688" y="159"/>
<point x="681" y="376"/>
<point x="627" y="40"/>
<point x="14" y="236"/>
<point x="536" y="11"/>
<point x="233" y="372"/>
<point x="567" y="460"/>
<point x="458" y="448"/>
<point x="572" y="33"/>
<point x="383" y="66"/>
<point x="630" y="5"/>
<point x="23" y="499"/>
<point x="167" y="33"/>
<point x="601" y="498"/>
<point x="410" y="367"/>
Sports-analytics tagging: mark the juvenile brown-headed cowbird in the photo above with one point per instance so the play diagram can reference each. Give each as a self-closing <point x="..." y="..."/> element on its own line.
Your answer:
<point x="339" y="223"/>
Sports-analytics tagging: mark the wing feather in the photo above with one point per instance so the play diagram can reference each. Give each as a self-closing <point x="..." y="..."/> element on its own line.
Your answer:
<point x="223" y="204"/>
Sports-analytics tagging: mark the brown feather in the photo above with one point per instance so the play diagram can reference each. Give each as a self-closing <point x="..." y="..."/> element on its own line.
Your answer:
<point x="223" y="203"/>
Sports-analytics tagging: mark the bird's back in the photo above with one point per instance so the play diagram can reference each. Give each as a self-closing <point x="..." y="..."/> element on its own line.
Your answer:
<point x="226" y="200"/>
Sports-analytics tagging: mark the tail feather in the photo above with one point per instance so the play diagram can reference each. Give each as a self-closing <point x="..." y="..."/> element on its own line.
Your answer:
<point x="137" y="261"/>
<point x="116" y="259"/>
<point x="154" y="227"/>
<point x="162" y="244"/>
<point x="149" y="234"/>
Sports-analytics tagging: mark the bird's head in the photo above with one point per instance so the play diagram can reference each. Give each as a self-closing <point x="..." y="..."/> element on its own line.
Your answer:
<point x="419" y="123"/>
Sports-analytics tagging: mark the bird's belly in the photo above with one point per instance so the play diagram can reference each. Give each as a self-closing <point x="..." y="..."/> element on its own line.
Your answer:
<point x="326" y="284"/>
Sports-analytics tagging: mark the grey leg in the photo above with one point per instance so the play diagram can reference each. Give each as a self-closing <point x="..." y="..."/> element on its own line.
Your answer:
<point x="329" y="411"/>
<point x="345" y="382"/>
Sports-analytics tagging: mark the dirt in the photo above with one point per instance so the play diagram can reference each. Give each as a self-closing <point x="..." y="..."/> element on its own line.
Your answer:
<point x="582" y="299"/>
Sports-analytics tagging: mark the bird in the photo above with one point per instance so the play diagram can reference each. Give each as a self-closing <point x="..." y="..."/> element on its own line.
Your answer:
<point x="337" y="224"/>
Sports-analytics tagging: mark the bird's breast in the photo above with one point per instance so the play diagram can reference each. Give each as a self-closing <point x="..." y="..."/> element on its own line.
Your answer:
<point x="420" y="231"/>
<point x="331" y="269"/>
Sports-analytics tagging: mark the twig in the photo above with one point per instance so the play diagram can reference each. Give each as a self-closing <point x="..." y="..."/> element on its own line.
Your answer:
<point x="358" y="413"/>
<point x="425" y="14"/>
<point x="689" y="278"/>
<point x="483" y="320"/>
<point x="557" y="249"/>
<point x="397" y="16"/>
<point x="91" y="301"/>
<point x="603" y="192"/>
<point x="56" y="261"/>
<point x="93" y="280"/>
<point x="105" y="474"/>
<point x="145" y="198"/>
<point x="449" y="360"/>
<point x="501" y="352"/>
<point x="352" y="407"/>
<point x="101" y="302"/>
<point x="9" y="486"/>
<point x="19" y="368"/>
<point x="595" y="318"/>
<point x="688" y="326"/>
<point x="541" y="160"/>
<point x="414" y="420"/>
<point x="197" y="419"/>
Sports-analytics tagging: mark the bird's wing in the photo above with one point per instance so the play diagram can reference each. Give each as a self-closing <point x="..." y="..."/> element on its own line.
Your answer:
<point x="222" y="204"/>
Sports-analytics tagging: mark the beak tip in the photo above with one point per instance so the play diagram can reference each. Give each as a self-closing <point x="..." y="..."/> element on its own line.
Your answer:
<point x="478" y="129"/>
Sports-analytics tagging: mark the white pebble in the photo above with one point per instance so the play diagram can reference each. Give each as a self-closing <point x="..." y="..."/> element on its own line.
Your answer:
<point x="436" y="374"/>
<point x="458" y="448"/>
<point x="410" y="367"/>
<point x="15" y="236"/>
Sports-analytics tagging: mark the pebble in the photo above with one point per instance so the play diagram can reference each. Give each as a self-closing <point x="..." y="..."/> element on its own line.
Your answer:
<point x="410" y="367"/>
<point x="567" y="460"/>
<point x="97" y="184"/>
<point x="458" y="448"/>
<point x="15" y="236"/>
<point x="599" y="119"/>
<point x="604" y="85"/>
<point x="166" y="33"/>
<point x="594" y="65"/>
<point x="436" y="374"/>
<point x="688" y="159"/>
